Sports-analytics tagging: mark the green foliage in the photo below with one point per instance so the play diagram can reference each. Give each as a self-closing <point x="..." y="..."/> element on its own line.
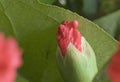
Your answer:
<point x="108" y="6"/>
<point x="102" y="75"/>
<point x="21" y="79"/>
<point x="35" y="24"/>
<point x="47" y="1"/>
<point x="90" y="7"/>
<point x="110" y="23"/>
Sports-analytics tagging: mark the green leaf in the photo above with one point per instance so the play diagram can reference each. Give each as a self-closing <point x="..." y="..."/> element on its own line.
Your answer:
<point x="47" y="1"/>
<point x="110" y="23"/>
<point x="35" y="24"/>
<point x="102" y="75"/>
<point x="21" y="79"/>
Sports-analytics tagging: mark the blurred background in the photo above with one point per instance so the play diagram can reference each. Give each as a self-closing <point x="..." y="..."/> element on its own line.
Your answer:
<point x="90" y="9"/>
<point x="105" y="13"/>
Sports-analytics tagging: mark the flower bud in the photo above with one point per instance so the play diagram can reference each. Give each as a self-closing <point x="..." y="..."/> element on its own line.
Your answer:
<point x="10" y="59"/>
<point x="75" y="57"/>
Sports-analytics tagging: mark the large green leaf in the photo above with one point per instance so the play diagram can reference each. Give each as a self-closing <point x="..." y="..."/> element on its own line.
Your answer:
<point x="21" y="79"/>
<point x="110" y="23"/>
<point x="35" y="25"/>
<point x="102" y="75"/>
<point x="47" y="1"/>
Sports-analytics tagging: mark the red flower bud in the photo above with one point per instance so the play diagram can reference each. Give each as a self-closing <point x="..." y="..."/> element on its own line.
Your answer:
<point x="10" y="59"/>
<point x="113" y="70"/>
<point x="68" y="33"/>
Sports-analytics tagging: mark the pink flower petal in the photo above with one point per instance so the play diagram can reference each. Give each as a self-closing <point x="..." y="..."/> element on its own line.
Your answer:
<point x="68" y="33"/>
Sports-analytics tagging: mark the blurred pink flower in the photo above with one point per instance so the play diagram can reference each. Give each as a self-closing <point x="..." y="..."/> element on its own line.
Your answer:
<point x="68" y="33"/>
<point x="10" y="58"/>
<point x="113" y="70"/>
